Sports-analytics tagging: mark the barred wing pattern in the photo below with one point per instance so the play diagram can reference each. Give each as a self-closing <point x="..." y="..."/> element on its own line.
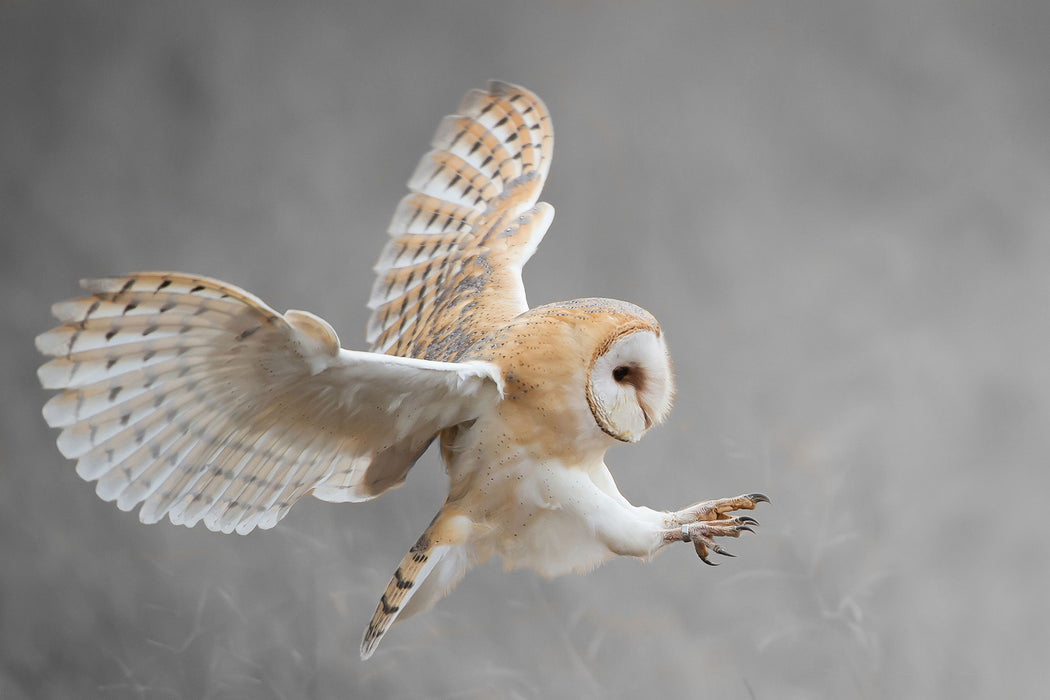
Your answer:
<point x="199" y="401"/>
<point x="452" y="268"/>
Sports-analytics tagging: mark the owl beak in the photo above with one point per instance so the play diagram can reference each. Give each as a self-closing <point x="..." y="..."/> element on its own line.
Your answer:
<point x="648" y="420"/>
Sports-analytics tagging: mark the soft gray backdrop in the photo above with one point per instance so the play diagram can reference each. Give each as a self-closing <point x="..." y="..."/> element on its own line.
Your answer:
<point x="838" y="210"/>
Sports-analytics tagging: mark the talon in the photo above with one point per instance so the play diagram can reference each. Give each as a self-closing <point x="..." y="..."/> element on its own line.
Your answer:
<point x="747" y="519"/>
<point x="743" y="528"/>
<point x="701" y="551"/>
<point x="758" y="497"/>
<point x="723" y="551"/>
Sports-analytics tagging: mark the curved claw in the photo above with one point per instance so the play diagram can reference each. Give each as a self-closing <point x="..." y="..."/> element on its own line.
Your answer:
<point x="723" y="551"/>
<point x="743" y="528"/>
<point x="747" y="519"/>
<point x="701" y="551"/>
<point x="758" y="497"/>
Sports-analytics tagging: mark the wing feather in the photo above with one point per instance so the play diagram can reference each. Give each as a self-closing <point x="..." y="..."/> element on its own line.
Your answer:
<point x="452" y="267"/>
<point x="198" y="401"/>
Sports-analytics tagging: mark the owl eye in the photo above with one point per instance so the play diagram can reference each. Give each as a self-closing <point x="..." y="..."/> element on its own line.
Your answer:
<point x="621" y="372"/>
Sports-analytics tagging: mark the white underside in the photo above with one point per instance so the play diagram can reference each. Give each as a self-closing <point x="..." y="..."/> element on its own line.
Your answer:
<point x="551" y="518"/>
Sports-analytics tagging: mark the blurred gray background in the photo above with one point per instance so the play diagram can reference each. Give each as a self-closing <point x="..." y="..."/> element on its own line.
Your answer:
<point x="838" y="210"/>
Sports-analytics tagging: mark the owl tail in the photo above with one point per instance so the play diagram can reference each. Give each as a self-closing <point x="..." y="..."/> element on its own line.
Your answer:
<point x="432" y="567"/>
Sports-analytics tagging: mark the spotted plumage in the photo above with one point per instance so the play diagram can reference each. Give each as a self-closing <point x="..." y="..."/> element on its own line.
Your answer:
<point x="194" y="399"/>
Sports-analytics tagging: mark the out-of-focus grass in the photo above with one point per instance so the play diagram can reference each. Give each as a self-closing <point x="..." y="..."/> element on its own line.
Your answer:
<point x="838" y="214"/>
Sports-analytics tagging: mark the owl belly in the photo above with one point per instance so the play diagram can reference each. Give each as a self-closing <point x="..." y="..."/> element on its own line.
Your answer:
<point x="528" y="512"/>
<point x="552" y="542"/>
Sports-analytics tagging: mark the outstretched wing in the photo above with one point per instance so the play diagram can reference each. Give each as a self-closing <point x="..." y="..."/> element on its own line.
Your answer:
<point x="199" y="401"/>
<point x="452" y="268"/>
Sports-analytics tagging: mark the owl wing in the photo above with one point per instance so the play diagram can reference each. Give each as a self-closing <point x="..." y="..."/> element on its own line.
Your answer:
<point x="199" y="401"/>
<point x="452" y="268"/>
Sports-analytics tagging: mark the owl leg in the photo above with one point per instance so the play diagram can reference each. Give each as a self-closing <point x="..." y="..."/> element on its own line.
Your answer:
<point x="637" y="531"/>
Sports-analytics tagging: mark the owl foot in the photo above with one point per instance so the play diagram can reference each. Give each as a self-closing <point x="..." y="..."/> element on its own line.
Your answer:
<point x="719" y="508"/>
<point x="702" y="535"/>
<point x="710" y="519"/>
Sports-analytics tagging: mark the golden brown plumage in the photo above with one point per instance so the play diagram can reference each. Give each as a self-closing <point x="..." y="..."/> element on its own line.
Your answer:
<point x="452" y="269"/>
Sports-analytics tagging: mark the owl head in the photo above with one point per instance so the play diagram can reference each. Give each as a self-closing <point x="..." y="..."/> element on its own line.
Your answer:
<point x="588" y="370"/>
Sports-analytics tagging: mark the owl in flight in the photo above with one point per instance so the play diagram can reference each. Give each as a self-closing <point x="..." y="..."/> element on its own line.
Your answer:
<point x="198" y="401"/>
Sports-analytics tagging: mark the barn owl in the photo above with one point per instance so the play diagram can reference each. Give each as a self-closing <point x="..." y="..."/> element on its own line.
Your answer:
<point x="198" y="401"/>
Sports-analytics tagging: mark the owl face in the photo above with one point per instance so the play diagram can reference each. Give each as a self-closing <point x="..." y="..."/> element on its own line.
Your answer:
<point x="630" y="384"/>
